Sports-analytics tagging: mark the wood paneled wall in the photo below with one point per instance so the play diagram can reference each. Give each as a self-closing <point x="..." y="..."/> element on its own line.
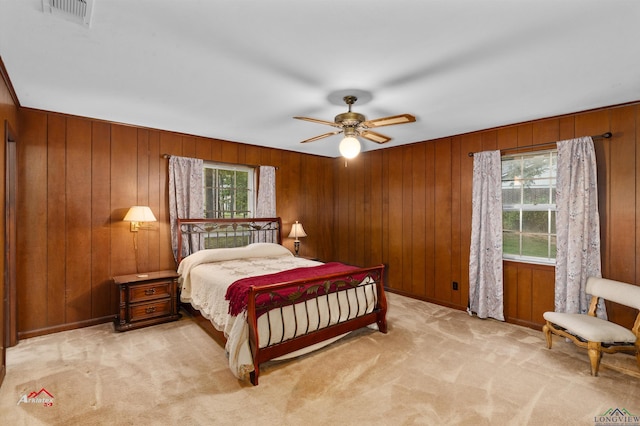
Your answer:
<point x="8" y="114"/>
<point x="78" y="177"/>
<point x="409" y="207"/>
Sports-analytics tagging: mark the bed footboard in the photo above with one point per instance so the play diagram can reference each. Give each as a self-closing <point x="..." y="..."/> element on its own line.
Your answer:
<point x="320" y="308"/>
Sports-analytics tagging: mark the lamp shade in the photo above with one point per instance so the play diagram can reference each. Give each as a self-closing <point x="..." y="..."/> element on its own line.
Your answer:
<point x="297" y="231"/>
<point x="349" y="147"/>
<point x="139" y="214"/>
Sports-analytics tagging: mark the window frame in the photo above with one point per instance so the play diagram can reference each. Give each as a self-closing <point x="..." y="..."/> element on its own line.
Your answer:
<point x="251" y="193"/>
<point x="522" y="208"/>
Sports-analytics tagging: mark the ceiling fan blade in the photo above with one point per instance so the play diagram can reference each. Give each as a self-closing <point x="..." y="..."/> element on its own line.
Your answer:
<point x="388" y="121"/>
<point x="375" y="137"/>
<point x="326" y="135"/>
<point x="315" y="120"/>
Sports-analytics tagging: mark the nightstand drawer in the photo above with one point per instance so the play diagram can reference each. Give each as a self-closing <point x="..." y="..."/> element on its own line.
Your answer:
<point x="152" y="291"/>
<point x="145" y="311"/>
<point x="146" y="299"/>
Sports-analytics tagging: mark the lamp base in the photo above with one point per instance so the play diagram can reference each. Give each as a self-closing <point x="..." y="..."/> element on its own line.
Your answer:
<point x="296" y="248"/>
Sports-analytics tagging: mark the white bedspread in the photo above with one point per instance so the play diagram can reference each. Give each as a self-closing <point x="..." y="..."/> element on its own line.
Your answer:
<point x="205" y="276"/>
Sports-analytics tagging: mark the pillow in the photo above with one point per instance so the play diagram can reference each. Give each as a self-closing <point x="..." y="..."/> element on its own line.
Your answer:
<point x="267" y="250"/>
<point x="219" y="254"/>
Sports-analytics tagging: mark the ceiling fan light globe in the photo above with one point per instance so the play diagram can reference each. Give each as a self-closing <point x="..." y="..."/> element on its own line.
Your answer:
<point x="349" y="147"/>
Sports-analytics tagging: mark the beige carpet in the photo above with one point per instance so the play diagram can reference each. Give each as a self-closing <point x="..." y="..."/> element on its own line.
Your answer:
<point x="435" y="366"/>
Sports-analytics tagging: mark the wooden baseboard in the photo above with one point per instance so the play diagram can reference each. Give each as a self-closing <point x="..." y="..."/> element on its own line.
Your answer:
<point x="510" y="320"/>
<point x="523" y="323"/>
<point x="64" y="327"/>
<point x="426" y="299"/>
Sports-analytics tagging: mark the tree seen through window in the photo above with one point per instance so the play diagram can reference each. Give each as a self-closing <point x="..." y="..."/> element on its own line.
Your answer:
<point x="228" y="191"/>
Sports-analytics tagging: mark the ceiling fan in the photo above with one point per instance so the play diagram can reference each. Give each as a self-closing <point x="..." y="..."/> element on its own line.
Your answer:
<point x="353" y="124"/>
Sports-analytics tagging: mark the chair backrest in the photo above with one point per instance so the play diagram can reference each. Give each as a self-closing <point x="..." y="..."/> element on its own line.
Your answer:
<point x="615" y="291"/>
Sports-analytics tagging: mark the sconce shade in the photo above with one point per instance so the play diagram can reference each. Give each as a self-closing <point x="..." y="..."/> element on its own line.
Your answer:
<point x="297" y="231"/>
<point x="139" y="214"/>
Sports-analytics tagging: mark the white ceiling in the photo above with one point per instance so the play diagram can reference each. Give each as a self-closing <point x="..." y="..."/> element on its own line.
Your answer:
<point x="239" y="70"/>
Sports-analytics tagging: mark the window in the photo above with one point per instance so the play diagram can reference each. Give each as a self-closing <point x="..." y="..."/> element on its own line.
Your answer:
<point x="228" y="191"/>
<point x="529" y="206"/>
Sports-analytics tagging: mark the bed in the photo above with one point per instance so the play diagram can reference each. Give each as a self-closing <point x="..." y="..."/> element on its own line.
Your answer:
<point x="267" y="303"/>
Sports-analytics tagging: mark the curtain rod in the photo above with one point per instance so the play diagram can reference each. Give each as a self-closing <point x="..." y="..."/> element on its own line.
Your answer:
<point x="224" y="162"/>
<point x="606" y="135"/>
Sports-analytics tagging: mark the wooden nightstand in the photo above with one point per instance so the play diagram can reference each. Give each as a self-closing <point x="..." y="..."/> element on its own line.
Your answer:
<point x="146" y="299"/>
<point x="311" y="258"/>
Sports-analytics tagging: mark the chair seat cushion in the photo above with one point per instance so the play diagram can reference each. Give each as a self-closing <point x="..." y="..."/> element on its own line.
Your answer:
<point x="591" y="328"/>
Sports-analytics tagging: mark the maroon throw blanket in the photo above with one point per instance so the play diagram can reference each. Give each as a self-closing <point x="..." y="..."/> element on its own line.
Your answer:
<point x="238" y="292"/>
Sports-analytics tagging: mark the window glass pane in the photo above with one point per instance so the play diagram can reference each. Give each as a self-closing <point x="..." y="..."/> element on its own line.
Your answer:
<point x="536" y="221"/>
<point x="224" y="197"/>
<point x="553" y="247"/>
<point x="225" y="178"/>
<point x="242" y="194"/>
<point x="242" y="179"/>
<point x="227" y="241"/>
<point x="536" y="165"/>
<point x="208" y="207"/>
<point x="511" y="167"/>
<point x="511" y="195"/>
<point x="537" y="191"/>
<point x="511" y="243"/>
<point x="511" y="221"/>
<point x="535" y="245"/>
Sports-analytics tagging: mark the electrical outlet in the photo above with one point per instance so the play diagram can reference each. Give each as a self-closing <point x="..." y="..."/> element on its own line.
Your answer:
<point x="455" y="285"/>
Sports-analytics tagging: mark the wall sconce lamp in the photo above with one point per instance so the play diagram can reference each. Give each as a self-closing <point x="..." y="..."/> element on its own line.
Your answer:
<point x="297" y="231"/>
<point x="138" y="215"/>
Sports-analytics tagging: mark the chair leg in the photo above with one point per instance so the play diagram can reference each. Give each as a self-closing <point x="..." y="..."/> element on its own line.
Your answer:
<point x="547" y="334"/>
<point x="638" y="352"/>
<point x="595" y="353"/>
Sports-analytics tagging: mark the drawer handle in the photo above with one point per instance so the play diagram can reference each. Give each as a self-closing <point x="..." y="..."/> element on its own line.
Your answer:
<point x="150" y="310"/>
<point x="150" y="291"/>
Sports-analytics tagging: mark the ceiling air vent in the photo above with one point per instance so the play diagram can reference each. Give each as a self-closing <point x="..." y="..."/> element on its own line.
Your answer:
<point x="74" y="10"/>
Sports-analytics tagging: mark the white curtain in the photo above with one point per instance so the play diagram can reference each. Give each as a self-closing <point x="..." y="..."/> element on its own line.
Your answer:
<point x="266" y="192"/>
<point x="185" y="198"/>
<point x="485" y="260"/>
<point x="266" y="198"/>
<point x="577" y="226"/>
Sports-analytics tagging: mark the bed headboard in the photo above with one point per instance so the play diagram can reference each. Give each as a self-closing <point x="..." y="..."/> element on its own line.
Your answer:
<point x="199" y="234"/>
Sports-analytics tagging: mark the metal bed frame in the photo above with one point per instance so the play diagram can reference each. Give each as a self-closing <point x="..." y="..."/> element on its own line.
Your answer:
<point x="346" y="293"/>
